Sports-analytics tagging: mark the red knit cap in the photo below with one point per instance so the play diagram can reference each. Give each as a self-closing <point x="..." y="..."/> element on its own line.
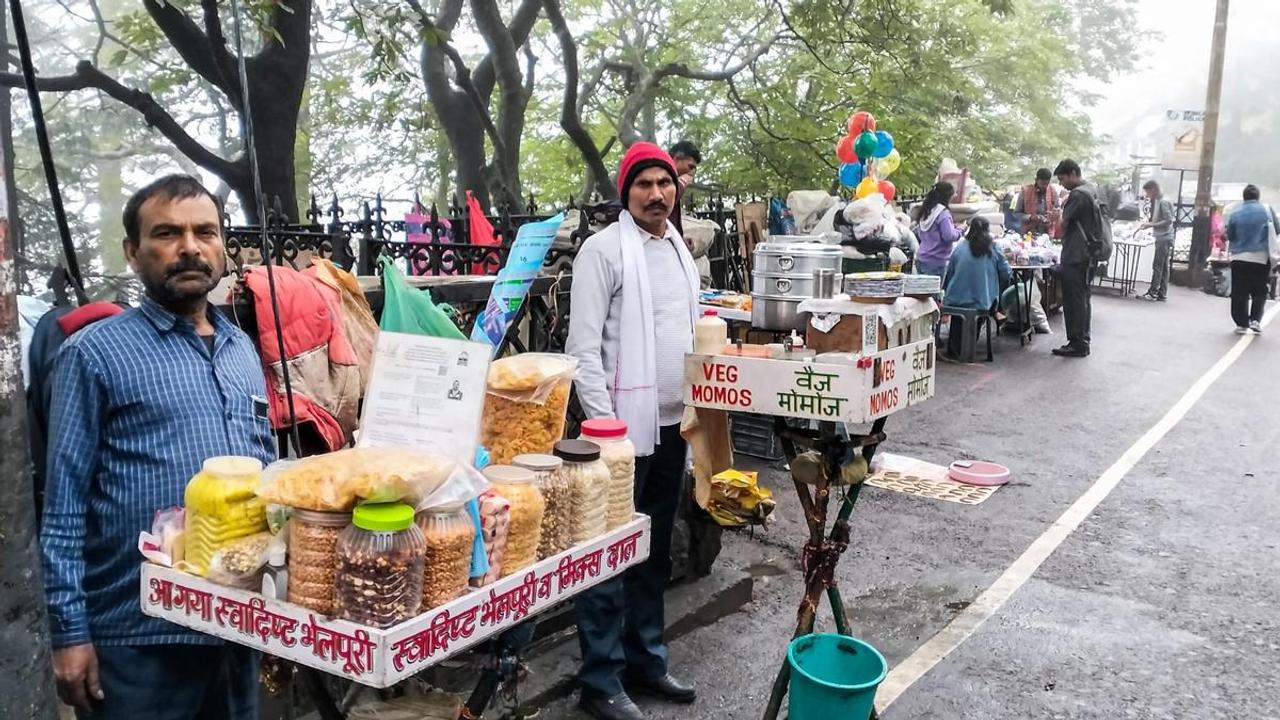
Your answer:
<point x="640" y="156"/>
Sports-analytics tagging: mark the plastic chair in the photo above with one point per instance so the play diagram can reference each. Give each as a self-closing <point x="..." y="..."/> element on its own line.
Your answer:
<point x="974" y="320"/>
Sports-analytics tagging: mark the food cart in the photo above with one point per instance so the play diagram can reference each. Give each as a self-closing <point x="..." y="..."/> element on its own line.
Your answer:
<point x="815" y="404"/>
<point x="342" y="613"/>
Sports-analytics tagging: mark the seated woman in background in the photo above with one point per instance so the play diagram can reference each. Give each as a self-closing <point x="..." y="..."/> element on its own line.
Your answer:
<point x="975" y="275"/>
<point x="936" y="230"/>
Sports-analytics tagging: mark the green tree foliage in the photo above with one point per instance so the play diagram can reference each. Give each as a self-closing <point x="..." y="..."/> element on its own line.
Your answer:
<point x="954" y="79"/>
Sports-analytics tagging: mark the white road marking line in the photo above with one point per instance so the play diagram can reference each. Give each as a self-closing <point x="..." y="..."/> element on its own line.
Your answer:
<point x="920" y="662"/>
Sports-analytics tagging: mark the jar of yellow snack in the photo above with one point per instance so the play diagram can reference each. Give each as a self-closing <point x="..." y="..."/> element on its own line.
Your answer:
<point x="449" y="533"/>
<point x="221" y="506"/>
<point x="556" y="535"/>
<point x="526" y="399"/>
<point x="516" y="486"/>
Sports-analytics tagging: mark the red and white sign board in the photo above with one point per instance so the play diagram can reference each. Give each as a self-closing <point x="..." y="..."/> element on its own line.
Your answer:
<point x="382" y="657"/>
<point x="867" y="388"/>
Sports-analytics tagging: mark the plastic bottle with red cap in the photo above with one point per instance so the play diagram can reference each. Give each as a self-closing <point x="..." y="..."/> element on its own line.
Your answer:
<point x="710" y="334"/>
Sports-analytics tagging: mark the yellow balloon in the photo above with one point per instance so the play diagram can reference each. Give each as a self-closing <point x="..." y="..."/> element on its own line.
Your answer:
<point x="866" y="187"/>
<point x="887" y="165"/>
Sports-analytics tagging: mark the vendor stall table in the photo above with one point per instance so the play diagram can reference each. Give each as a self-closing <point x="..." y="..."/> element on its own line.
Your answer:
<point x="867" y="390"/>
<point x="1122" y="270"/>
<point x="382" y="657"/>
<point x="727" y="314"/>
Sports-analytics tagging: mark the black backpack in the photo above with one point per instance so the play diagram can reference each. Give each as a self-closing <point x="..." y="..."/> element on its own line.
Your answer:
<point x="1100" y="242"/>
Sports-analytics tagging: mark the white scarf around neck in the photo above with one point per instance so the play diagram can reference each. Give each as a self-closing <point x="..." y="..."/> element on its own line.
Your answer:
<point x="635" y="388"/>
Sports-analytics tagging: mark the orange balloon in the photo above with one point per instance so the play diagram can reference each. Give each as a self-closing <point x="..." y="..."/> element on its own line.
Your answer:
<point x="844" y="150"/>
<point x="860" y="122"/>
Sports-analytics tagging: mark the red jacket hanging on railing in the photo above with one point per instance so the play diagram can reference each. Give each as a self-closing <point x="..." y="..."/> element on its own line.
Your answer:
<point x="323" y="370"/>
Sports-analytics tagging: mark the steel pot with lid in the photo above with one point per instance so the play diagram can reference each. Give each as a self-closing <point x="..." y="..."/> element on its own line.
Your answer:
<point x="800" y="258"/>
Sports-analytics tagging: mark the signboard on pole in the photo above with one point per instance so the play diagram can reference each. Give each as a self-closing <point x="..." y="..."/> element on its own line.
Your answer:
<point x="1184" y="139"/>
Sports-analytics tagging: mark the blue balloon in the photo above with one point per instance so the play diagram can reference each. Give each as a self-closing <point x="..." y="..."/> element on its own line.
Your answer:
<point x="884" y="144"/>
<point x="852" y="173"/>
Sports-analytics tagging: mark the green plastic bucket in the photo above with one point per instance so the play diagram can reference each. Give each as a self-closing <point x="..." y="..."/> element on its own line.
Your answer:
<point x="833" y="676"/>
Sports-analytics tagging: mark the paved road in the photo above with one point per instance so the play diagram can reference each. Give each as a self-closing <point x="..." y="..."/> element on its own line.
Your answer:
<point x="1161" y="605"/>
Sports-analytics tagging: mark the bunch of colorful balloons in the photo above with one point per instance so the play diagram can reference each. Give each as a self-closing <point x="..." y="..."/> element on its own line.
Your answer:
<point x="867" y="157"/>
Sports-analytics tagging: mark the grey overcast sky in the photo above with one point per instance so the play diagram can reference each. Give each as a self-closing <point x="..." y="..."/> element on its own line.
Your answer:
<point x="1180" y="56"/>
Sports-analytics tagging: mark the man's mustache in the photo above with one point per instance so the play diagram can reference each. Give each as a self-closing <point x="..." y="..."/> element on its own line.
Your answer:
<point x="656" y="205"/>
<point x="189" y="265"/>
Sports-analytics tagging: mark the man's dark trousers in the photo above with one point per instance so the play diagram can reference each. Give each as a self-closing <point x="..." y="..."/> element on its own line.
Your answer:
<point x="177" y="682"/>
<point x="1248" y="291"/>
<point x="620" y="621"/>
<point x="1076" y="308"/>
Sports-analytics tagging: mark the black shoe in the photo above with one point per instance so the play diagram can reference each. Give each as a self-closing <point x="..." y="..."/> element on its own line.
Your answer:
<point x="618" y="707"/>
<point x="1071" y="351"/>
<point x="1162" y="298"/>
<point x="665" y="687"/>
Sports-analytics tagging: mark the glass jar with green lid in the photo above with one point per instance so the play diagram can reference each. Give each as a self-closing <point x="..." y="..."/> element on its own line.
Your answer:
<point x="380" y="562"/>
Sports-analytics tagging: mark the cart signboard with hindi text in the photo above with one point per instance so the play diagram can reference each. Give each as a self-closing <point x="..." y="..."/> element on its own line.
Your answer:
<point x="868" y="387"/>
<point x="382" y="657"/>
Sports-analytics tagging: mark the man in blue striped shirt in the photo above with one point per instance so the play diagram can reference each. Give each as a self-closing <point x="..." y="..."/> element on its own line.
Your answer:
<point x="140" y="400"/>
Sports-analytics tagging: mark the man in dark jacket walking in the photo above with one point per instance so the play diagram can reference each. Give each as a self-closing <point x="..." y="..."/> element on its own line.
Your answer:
<point x="1079" y="230"/>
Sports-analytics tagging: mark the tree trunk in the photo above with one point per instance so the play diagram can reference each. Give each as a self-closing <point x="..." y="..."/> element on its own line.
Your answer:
<point x="26" y="679"/>
<point x="7" y="157"/>
<point x="302" y="153"/>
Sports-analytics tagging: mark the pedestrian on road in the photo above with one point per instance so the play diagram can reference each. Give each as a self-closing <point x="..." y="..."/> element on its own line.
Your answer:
<point x="1080" y="218"/>
<point x="936" y="230"/>
<point x="140" y="401"/>
<point x="1161" y="224"/>
<point x="1251" y="234"/>
<point x="634" y="295"/>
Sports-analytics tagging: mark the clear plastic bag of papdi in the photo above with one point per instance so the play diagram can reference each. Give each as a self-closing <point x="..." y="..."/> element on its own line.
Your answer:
<point x="526" y="399"/>
<point x="337" y="481"/>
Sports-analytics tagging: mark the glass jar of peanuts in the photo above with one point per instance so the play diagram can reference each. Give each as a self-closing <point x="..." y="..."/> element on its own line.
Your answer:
<point x="619" y="454"/>
<point x="516" y="486"/>
<point x="380" y="557"/>
<point x="588" y="480"/>
<point x="556" y="517"/>
<point x="313" y="557"/>
<point x="446" y="567"/>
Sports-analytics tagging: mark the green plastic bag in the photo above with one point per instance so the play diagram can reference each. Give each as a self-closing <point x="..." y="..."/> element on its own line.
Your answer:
<point x="407" y="309"/>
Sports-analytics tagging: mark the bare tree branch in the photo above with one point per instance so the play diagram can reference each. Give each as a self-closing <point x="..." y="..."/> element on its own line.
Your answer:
<point x="222" y="60"/>
<point x="188" y="40"/>
<point x="683" y="70"/>
<point x="570" y="120"/>
<point x="522" y="23"/>
<point x="88" y="77"/>
<point x="462" y="77"/>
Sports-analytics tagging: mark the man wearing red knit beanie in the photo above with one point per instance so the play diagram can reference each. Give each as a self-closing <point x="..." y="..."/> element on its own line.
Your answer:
<point x="633" y="301"/>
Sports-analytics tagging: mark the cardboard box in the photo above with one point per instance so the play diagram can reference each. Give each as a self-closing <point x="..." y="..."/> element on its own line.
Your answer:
<point x="864" y="331"/>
